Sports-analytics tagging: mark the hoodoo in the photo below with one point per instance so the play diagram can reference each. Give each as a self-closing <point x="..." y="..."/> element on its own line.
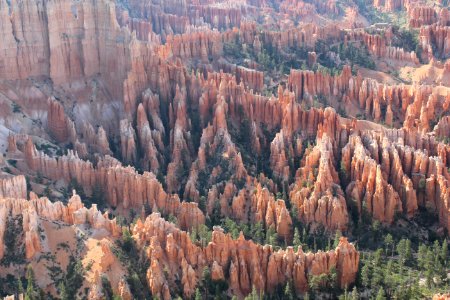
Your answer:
<point x="283" y="149"/>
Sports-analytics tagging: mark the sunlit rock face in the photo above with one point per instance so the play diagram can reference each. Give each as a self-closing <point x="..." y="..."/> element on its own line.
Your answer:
<point x="182" y="135"/>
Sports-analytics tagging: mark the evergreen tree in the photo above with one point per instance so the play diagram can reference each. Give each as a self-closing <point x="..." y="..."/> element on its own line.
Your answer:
<point x="253" y="295"/>
<point x="422" y="256"/>
<point x="193" y="235"/>
<point x="388" y="274"/>
<point x="288" y="293"/>
<point x="355" y="294"/>
<point x="257" y="232"/>
<point x="377" y="277"/>
<point x="315" y="281"/>
<point x="365" y="276"/>
<point x="206" y="281"/>
<point x="333" y="279"/>
<point x="294" y="213"/>
<point x="215" y="216"/>
<point x="337" y="237"/>
<point x="389" y="242"/>
<point x="106" y="287"/>
<point x="304" y="236"/>
<point x="198" y="296"/>
<point x="202" y="204"/>
<point x="47" y="192"/>
<point x="429" y="267"/>
<point x="74" y="277"/>
<point x="271" y="236"/>
<point x="380" y="294"/>
<point x="343" y="296"/>
<point x="408" y="250"/>
<point x="98" y="195"/>
<point x="444" y="253"/>
<point x="63" y="292"/>
<point x="376" y="228"/>
<point x="19" y="286"/>
<point x="127" y="240"/>
<point x="436" y="248"/>
<point x="30" y="284"/>
<point x="232" y="228"/>
<point x="136" y="286"/>
<point x="404" y="250"/>
<point x="204" y="234"/>
<point x="401" y="250"/>
<point x="377" y="257"/>
<point x="296" y="241"/>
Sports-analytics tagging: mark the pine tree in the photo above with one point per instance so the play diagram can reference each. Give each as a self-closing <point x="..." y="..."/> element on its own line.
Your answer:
<point x="389" y="241"/>
<point x="337" y="238"/>
<point x="30" y="283"/>
<point x="343" y="296"/>
<point x="429" y="267"/>
<point x="429" y="277"/>
<point x="193" y="235"/>
<point x="47" y="192"/>
<point x="294" y="213"/>
<point x="377" y="257"/>
<point x="198" y="296"/>
<point x="202" y="204"/>
<point x="258" y="234"/>
<point x="206" y="280"/>
<point x="408" y="251"/>
<point x="98" y="195"/>
<point x="296" y="241"/>
<point x="127" y="240"/>
<point x="404" y="250"/>
<point x="421" y="256"/>
<point x="444" y="253"/>
<point x="231" y="228"/>
<point x="365" y="275"/>
<point x="216" y="213"/>
<point x="304" y="236"/>
<point x="380" y="294"/>
<point x="436" y="248"/>
<point x="19" y="286"/>
<point x="333" y="278"/>
<point x="271" y="236"/>
<point x="355" y="294"/>
<point x="253" y="295"/>
<point x="62" y="291"/>
<point x="388" y="272"/>
<point x="204" y="234"/>
<point x="288" y="293"/>
<point x="377" y="276"/>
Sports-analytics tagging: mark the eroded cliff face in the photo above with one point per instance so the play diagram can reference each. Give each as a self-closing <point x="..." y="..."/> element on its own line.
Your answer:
<point x="317" y="193"/>
<point x="54" y="233"/>
<point x="220" y="109"/>
<point x="59" y="39"/>
<point x="13" y="187"/>
<point x="37" y="209"/>
<point x="121" y="186"/>
<point x="223" y="102"/>
<point x="246" y="263"/>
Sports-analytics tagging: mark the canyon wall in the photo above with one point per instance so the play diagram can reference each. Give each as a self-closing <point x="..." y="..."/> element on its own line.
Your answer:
<point x="37" y="209"/>
<point x="246" y="264"/>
